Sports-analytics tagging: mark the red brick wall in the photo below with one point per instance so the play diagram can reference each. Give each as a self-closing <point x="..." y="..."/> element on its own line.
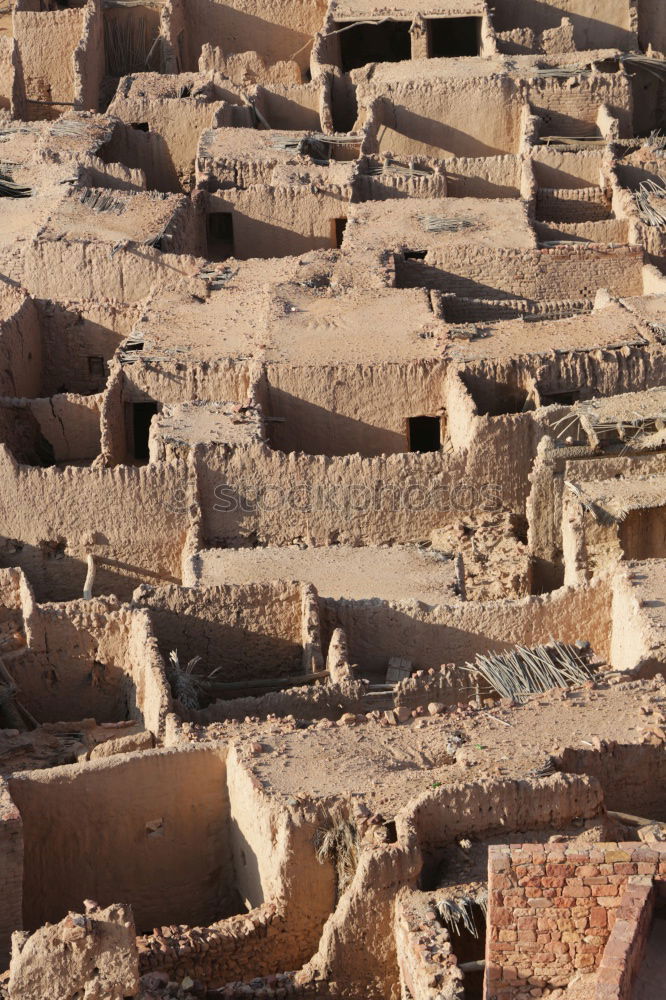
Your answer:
<point x="551" y="909"/>
<point x="625" y="948"/>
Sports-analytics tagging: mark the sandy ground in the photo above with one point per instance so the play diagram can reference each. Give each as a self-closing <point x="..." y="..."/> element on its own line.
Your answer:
<point x="390" y="574"/>
<point x="390" y="765"/>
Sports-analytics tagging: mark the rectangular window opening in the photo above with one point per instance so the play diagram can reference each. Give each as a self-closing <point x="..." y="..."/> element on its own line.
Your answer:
<point x="424" y="433"/>
<point x="96" y="366"/>
<point x="140" y="126"/>
<point x="453" y="37"/>
<point x="373" y="43"/>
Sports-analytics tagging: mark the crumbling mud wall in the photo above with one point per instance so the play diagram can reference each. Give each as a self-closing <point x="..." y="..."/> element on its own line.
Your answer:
<point x="276" y="33"/>
<point x="98" y="946"/>
<point x="288" y="893"/>
<point x="429" y="636"/>
<point x="164" y="849"/>
<point x="46" y="43"/>
<point x="20" y="346"/>
<point x="632" y="777"/>
<point x="343" y="410"/>
<point x="248" y="632"/>
<point x="595" y="26"/>
<point x="89" y="659"/>
<point x="11" y="871"/>
<point x="490" y="807"/>
<point x="42" y="511"/>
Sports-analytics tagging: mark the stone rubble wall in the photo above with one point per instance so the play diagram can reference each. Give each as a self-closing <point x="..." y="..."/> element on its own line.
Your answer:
<point x="625" y="948"/>
<point x="551" y="909"/>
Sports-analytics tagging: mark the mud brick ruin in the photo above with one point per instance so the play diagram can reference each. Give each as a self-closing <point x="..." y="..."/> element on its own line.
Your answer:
<point x="332" y="499"/>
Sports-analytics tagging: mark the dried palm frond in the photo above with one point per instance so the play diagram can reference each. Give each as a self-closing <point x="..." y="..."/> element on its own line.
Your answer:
<point x="185" y="685"/>
<point x="651" y="205"/>
<point x="439" y="224"/>
<point x="8" y="189"/>
<point x="337" y="843"/>
<point x="519" y="672"/>
<point x="462" y="913"/>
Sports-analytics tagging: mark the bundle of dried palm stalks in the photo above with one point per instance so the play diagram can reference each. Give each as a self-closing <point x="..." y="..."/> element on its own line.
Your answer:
<point x="520" y="672"/>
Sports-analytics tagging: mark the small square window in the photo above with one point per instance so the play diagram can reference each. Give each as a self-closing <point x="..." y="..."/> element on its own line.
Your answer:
<point x="424" y="433"/>
<point x="96" y="366"/>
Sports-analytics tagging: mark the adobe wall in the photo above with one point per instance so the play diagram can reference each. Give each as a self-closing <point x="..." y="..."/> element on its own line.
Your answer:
<point x="556" y="273"/>
<point x="282" y="221"/>
<point x="249" y="631"/>
<point x="45" y="508"/>
<point x="314" y="701"/>
<point x="632" y="777"/>
<point x="341" y="410"/>
<point x="551" y="908"/>
<point x="58" y="679"/>
<point x="70" y="337"/>
<point x="90" y="659"/>
<point x="71" y="425"/>
<point x="46" y="41"/>
<point x="149" y="694"/>
<point x="164" y="849"/>
<point x="492" y="806"/>
<point x="145" y="151"/>
<point x="276" y="32"/>
<point x="6" y="72"/>
<point x="570" y="111"/>
<point x="468" y="117"/>
<point x="651" y="26"/>
<point x="89" y="60"/>
<point x="429" y="636"/>
<point x="597" y="23"/>
<point x="281" y="497"/>
<point x="546" y="530"/>
<point x="87" y="270"/>
<point x="20" y="346"/>
<point x="12" y="582"/>
<point x="289" y="894"/>
<point x="357" y="944"/>
<point x="557" y="168"/>
<point x="290" y="106"/>
<point x="483" y="177"/>
<point x="178" y="124"/>
<point x="11" y="871"/>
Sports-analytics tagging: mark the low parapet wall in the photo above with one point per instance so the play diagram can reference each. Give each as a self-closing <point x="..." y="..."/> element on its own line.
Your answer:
<point x="625" y="948"/>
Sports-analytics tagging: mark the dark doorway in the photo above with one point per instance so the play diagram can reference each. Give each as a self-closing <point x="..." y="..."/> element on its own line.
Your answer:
<point x="220" y="235"/>
<point x="565" y="397"/>
<point x="424" y="433"/>
<point x="454" y="36"/>
<point x="368" y="43"/>
<point x="338" y="227"/>
<point x="142" y="414"/>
